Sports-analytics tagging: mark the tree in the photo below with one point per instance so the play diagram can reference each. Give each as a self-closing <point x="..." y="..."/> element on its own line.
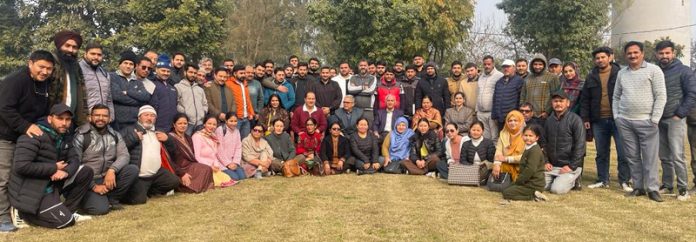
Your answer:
<point x="391" y="30"/>
<point x="13" y="50"/>
<point x="566" y="29"/>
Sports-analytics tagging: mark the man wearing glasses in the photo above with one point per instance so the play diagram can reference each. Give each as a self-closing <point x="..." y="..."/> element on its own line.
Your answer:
<point x="23" y="100"/>
<point x="348" y="116"/>
<point x="142" y="71"/>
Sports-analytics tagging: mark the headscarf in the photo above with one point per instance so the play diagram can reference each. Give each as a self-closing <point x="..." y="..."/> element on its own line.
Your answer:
<point x="398" y="142"/>
<point x="573" y="86"/>
<point x="516" y="146"/>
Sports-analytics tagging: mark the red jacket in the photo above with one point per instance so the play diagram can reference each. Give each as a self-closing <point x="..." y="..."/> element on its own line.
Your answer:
<point x="300" y="116"/>
<point x="385" y="89"/>
<point x="308" y="144"/>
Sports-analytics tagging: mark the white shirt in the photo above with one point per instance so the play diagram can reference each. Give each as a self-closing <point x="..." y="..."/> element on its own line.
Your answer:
<point x="342" y="82"/>
<point x="388" y="122"/>
<point x="151" y="159"/>
<point x="244" y="100"/>
<point x="68" y="94"/>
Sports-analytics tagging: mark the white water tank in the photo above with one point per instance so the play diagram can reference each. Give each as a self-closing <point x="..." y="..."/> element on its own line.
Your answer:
<point x="649" y="20"/>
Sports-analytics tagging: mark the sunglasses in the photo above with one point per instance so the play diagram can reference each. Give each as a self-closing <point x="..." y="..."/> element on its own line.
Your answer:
<point x="257" y="130"/>
<point x="525" y="111"/>
<point x="146" y="68"/>
<point x="336" y="129"/>
<point x="451" y="131"/>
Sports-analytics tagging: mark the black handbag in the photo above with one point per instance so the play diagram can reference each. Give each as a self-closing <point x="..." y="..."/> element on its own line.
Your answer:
<point x="394" y="167"/>
<point x="499" y="184"/>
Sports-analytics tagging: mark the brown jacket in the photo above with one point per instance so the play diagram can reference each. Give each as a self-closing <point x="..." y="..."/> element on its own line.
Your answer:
<point x="212" y="94"/>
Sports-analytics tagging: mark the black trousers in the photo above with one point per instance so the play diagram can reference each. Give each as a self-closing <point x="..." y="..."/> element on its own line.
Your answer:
<point x="96" y="204"/>
<point x="158" y="184"/>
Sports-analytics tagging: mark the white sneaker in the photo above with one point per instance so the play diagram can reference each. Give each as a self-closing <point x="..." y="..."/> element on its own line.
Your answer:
<point x="81" y="218"/>
<point x="538" y="196"/>
<point x="598" y="185"/>
<point x="683" y="196"/>
<point x="431" y="174"/>
<point x="169" y="193"/>
<point x="626" y="187"/>
<point x="16" y="220"/>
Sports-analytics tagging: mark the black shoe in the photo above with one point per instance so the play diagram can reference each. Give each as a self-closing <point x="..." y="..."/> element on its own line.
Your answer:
<point x="115" y="205"/>
<point x="636" y="193"/>
<point x="655" y="196"/>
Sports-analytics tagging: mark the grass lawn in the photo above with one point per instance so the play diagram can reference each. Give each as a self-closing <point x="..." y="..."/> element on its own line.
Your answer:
<point x="384" y="208"/>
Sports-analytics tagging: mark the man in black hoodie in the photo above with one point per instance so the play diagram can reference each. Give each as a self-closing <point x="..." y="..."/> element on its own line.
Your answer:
<point x="435" y="87"/>
<point x="23" y="100"/>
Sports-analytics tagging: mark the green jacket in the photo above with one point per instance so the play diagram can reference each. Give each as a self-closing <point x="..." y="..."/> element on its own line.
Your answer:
<point x="532" y="169"/>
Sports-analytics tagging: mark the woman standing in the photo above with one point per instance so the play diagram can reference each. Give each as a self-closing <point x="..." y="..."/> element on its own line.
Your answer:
<point x="426" y="149"/>
<point x="196" y="177"/>
<point x="572" y="85"/>
<point x="460" y="114"/>
<point x="364" y="147"/>
<point x="274" y="110"/>
<point x="396" y="146"/>
<point x="335" y="151"/>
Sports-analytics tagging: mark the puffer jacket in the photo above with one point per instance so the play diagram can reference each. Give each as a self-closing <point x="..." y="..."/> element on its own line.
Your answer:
<point x="98" y="86"/>
<point x="164" y="100"/>
<point x="538" y="88"/>
<point x="104" y="151"/>
<point x="34" y="163"/>
<point x="191" y="101"/>
<point x="432" y="144"/>
<point x="384" y="89"/>
<point x="129" y="95"/>
<point x="565" y="140"/>
<point x="680" y="83"/>
<point x="506" y="96"/>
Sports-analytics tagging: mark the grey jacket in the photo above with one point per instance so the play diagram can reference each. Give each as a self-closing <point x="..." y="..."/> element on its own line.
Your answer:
<point x="191" y="101"/>
<point x="103" y="151"/>
<point x="98" y="87"/>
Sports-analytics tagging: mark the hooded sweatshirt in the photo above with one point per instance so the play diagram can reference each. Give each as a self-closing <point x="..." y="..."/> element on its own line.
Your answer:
<point x="538" y="88"/>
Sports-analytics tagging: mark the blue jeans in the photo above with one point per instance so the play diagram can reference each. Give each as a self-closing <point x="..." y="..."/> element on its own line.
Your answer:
<point x="603" y="131"/>
<point x="244" y="127"/>
<point x="236" y="174"/>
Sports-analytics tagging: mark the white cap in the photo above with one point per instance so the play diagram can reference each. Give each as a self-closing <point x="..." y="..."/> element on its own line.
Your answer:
<point x="147" y="109"/>
<point x="508" y="62"/>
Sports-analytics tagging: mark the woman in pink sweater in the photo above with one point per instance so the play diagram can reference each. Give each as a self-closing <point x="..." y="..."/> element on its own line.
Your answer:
<point x="231" y="141"/>
<point x="207" y="146"/>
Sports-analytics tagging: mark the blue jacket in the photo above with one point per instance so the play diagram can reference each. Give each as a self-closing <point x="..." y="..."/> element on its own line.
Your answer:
<point x="164" y="100"/>
<point x="506" y="96"/>
<point x="288" y="98"/>
<point x="129" y="95"/>
<point x="681" y="89"/>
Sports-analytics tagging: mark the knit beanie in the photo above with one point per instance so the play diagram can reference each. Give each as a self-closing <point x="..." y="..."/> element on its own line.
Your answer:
<point x="163" y="61"/>
<point x="147" y="109"/>
<point x="127" y="56"/>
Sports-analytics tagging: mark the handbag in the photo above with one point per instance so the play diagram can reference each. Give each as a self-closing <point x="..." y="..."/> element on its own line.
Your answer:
<point x="291" y="168"/>
<point x="221" y="179"/>
<point x="394" y="167"/>
<point x="499" y="184"/>
<point x="470" y="175"/>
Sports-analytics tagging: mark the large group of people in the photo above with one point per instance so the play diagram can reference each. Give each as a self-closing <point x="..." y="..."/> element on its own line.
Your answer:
<point x="77" y="140"/>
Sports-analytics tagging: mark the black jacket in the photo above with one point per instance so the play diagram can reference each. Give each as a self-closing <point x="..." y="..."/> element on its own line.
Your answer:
<point x="327" y="154"/>
<point x="22" y="102"/>
<point x="680" y="83"/>
<point x="565" y="140"/>
<point x="135" y="147"/>
<point x="436" y="88"/>
<point x="33" y="165"/>
<point x="432" y="144"/>
<point x="591" y="94"/>
<point x="485" y="150"/>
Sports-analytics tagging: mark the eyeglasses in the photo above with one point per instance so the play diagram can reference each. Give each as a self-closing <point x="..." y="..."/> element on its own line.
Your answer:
<point x="525" y="111"/>
<point x="145" y="68"/>
<point x="257" y="130"/>
<point x="336" y="129"/>
<point x="451" y="131"/>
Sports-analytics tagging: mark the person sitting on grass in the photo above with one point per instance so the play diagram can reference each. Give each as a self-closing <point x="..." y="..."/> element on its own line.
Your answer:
<point x="510" y="147"/>
<point x="426" y="150"/>
<point x="530" y="182"/>
<point x="207" y="145"/>
<point x="309" y="145"/>
<point x="364" y="148"/>
<point x="195" y="177"/>
<point x="396" y="146"/>
<point x="565" y="145"/>
<point x="283" y="148"/>
<point x="257" y="152"/>
<point x="231" y="143"/>
<point x="335" y="151"/>
<point x="477" y="149"/>
<point x="452" y="147"/>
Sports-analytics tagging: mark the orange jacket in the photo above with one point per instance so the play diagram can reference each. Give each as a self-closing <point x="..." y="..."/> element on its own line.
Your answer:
<point x="236" y="89"/>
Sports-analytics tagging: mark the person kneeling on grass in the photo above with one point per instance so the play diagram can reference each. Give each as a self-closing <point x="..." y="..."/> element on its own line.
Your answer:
<point x="477" y="149"/>
<point x="335" y="151"/>
<point x="426" y="149"/>
<point x="309" y="145"/>
<point x="363" y="146"/>
<point x="565" y="146"/>
<point x="396" y="146"/>
<point x="530" y="182"/>
<point x="206" y="145"/>
<point x="257" y="152"/>
<point x="46" y="167"/>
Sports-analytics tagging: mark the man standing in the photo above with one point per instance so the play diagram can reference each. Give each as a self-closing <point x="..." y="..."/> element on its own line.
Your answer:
<point x="564" y="146"/>
<point x="45" y="168"/>
<point x="191" y="98"/>
<point x="142" y="71"/>
<point x="680" y="85"/>
<point x="435" y="87"/>
<point x="407" y="96"/>
<point x="206" y="64"/>
<point x="255" y="91"/>
<point x="149" y="151"/>
<point x="286" y="98"/>
<point x="522" y="67"/>
<point x="342" y="79"/>
<point x="268" y="67"/>
<point x="348" y="116"/>
<point x="454" y="82"/>
<point x="399" y="69"/>
<point x="362" y="86"/>
<point x="596" y="112"/>
<point x="328" y="92"/>
<point x="418" y="62"/>
<point x="96" y="79"/>
<point x="102" y="150"/>
<point x="164" y="98"/>
<point x="381" y="68"/>
<point x="555" y="65"/>
<point x="314" y="66"/>
<point x="23" y="101"/>
<point x="242" y="100"/>
<point x="219" y="97"/>
<point x="178" y="70"/>
<point x="470" y="86"/>
<point x="484" y="101"/>
<point x="128" y="93"/>
<point x="538" y="87"/>
<point x="67" y="86"/>
<point x="507" y="93"/>
<point x="639" y="100"/>
<point x="302" y="83"/>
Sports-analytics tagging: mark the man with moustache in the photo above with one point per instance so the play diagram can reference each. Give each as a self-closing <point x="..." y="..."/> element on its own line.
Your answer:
<point x="314" y="66"/>
<point x="164" y="98"/>
<point x="178" y="70"/>
<point x="128" y="93"/>
<point x="399" y="69"/>
<point x="96" y="79"/>
<point x="362" y="86"/>
<point x="328" y="93"/>
<point x="470" y="86"/>
<point x="342" y="78"/>
<point x="454" y="81"/>
<point x="484" y="101"/>
<point x="522" y="67"/>
<point x="255" y="92"/>
<point x="539" y="86"/>
<point x="191" y="99"/>
<point x="23" y="101"/>
<point x="68" y="86"/>
<point x="418" y="62"/>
